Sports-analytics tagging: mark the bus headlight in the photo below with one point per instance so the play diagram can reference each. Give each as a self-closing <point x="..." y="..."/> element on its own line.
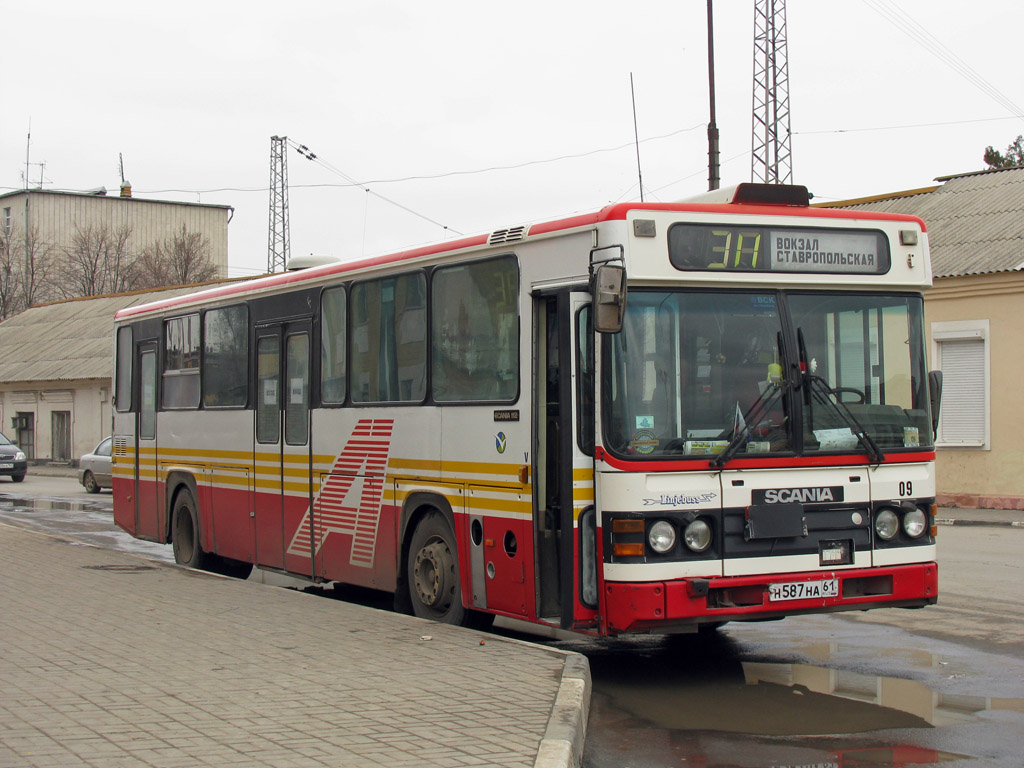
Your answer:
<point x="914" y="523"/>
<point x="662" y="536"/>
<point x="887" y="524"/>
<point x="697" y="536"/>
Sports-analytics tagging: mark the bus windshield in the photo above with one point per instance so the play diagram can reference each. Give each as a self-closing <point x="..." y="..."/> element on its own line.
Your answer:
<point x="697" y="373"/>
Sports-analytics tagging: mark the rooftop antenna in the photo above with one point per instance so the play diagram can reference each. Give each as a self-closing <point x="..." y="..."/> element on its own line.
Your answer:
<point x="28" y="149"/>
<point x="636" y="138"/>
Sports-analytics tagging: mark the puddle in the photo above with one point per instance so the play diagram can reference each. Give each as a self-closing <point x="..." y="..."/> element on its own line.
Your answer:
<point x="787" y="700"/>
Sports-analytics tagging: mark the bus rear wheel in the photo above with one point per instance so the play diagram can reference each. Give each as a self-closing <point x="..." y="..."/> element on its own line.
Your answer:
<point x="433" y="575"/>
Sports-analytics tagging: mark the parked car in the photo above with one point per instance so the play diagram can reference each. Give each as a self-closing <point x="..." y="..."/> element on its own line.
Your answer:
<point x="12" y="460"/>
<point x="94" y="468"/>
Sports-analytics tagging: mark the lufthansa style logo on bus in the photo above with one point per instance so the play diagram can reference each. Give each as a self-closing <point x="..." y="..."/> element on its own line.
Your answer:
<point x="802" y="495"/>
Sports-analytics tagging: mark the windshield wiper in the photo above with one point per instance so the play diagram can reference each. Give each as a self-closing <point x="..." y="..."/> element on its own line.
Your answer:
<point x="753" y="415"/>
<point x="824" y="394"/>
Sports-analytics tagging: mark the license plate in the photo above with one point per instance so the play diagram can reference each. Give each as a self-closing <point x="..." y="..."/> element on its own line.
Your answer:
<point x="7" y="465"/>
<point x="803" y="590"/>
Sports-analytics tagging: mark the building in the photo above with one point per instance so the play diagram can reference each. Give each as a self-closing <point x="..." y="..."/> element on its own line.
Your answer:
<point x="56" y="363"/>
<point x="975" y="320"/>
<point x="56" y="216"/>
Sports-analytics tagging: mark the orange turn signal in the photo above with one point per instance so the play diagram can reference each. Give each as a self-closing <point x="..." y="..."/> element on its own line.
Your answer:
<point x="627" y="526"/>
<point x="629" y="550"/>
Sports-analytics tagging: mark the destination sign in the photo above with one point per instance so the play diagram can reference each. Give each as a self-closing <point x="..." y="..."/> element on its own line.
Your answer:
<point x="713" y="247"/>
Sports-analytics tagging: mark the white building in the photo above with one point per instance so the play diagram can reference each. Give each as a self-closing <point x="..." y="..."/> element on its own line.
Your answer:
<point x="55" y="217"/>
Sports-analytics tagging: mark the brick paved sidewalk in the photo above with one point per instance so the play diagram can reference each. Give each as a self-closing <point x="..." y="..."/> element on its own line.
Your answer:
<point x="111" y="660"/>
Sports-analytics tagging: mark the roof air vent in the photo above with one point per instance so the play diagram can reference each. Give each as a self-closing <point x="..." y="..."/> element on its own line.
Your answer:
<point x="510" y="235"/>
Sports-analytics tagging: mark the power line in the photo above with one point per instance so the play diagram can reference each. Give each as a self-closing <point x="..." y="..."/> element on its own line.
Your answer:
<point x="903" y="127"/>
<point x="305" y="151"/>
<point x="913" y="29"/>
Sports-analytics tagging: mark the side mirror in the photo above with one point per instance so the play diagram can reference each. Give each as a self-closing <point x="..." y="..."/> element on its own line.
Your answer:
<point x="609" y="298"/>
<point x="935" y="397"/>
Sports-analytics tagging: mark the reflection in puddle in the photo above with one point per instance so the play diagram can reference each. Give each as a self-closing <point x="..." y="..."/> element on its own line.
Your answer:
<point x="785" y="700"/>
<point x="891" y="695"/>
<point x="678" y="701"/>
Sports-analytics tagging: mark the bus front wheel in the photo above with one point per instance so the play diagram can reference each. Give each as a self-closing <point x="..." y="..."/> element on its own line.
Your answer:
<point x="433" y="575"/>
<point x="185" y="532"/>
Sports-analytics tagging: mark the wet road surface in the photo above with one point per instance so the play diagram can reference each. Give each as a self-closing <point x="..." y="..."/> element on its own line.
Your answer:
<point x="824" y="691"/>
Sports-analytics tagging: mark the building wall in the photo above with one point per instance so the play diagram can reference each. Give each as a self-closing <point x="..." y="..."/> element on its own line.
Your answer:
<point x="57" y="215"/>
<point x="86" y="402"/>
<point x="990" y="475"/>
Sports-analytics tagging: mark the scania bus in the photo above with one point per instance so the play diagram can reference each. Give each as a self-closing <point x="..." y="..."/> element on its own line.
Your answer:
<point x="650" y="418"/>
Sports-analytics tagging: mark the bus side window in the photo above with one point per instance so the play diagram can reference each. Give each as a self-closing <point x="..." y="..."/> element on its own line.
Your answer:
<point x="226" y="357"/>
<point x="333" y="336"/>
<point x="181" y="362"/>
<point x="475" y="332"/>
<point x="125" y="358"/>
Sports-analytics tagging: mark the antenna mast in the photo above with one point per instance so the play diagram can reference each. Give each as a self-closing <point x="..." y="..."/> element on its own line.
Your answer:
<point x="279" y="242"/>
<point x="714" y="177"/>
<point x="771" y="148"/>
<point x="636" y="138"/>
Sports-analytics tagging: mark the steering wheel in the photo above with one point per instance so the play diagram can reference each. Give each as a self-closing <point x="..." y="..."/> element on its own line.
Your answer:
<point x="841" y="390"/>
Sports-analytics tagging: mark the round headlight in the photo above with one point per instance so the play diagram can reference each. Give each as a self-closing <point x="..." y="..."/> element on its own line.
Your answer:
<point x="887" y="524"/>
<point x="914" y="523"/>
<point x="19" y="456"/>
<point x="697" y="535"/>
<point x="662" y="536"/>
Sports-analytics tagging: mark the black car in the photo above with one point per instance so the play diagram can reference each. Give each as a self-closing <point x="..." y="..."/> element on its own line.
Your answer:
<point x="12" y="460"/>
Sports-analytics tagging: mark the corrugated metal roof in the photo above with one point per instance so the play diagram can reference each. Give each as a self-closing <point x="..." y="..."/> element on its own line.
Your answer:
<point x="975" y="221"/>
<point x="66" y="341"/>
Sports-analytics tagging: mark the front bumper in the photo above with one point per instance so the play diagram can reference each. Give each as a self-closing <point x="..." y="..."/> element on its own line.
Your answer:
<point x="15" y="468"/>
<point x="667" y="606"/>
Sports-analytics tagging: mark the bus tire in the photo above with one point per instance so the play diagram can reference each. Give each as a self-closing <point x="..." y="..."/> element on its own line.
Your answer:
<point x="185" y="532"/>
<point x="433" y="575"/>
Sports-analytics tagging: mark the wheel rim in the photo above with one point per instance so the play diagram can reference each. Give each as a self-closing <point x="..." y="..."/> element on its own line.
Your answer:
<point x="90" y="481"/>
<point x="433" y="571"/>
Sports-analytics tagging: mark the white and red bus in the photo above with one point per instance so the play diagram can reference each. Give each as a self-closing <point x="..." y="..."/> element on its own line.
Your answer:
<point x="645" y="419"/>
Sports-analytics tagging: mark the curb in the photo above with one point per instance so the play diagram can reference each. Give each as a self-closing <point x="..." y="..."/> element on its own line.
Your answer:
<point x="997" y="523"/>
<point x="563" y="740"/>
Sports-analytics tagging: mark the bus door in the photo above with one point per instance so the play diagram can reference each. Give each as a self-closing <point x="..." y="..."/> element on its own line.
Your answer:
<point x="282" y="447"/>
<point x="148" y="491"/>
<point x="563" y="461"/>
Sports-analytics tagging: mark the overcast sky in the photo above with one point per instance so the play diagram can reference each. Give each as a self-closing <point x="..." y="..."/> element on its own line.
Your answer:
<point x="384" y="90"/>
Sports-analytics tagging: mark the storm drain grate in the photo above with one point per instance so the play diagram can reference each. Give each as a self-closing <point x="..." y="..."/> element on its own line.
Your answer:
<point x="120" y="568"/>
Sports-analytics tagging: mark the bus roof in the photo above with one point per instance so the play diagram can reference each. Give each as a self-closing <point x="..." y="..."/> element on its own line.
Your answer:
<point x="616" y="212"/>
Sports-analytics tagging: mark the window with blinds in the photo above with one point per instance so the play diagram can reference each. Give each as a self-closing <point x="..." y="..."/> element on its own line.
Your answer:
<point x="964" y="391"/>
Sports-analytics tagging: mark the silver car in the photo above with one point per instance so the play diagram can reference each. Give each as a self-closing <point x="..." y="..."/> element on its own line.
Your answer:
<point x="94" y="468"/>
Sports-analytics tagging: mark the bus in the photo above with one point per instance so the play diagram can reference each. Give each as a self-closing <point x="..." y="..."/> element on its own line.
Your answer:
<point x="653" y="418"/>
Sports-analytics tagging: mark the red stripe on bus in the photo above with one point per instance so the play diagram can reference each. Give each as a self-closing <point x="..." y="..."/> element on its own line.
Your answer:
<point x="784" y="462"/>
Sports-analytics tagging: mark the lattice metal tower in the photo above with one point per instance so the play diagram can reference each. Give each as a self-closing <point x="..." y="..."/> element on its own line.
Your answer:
<point x="772" y="153"/>
<point x="279" y="243"/>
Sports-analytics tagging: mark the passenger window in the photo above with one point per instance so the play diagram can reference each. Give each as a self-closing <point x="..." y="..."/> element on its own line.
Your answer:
<point x="226" y="357"/>
<point x="181" y="362"/>
<point x="475" y="332"/>
<point x="123" y="385"/>
<point x="332" y="346"/>
<point x="388" y="340"/>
